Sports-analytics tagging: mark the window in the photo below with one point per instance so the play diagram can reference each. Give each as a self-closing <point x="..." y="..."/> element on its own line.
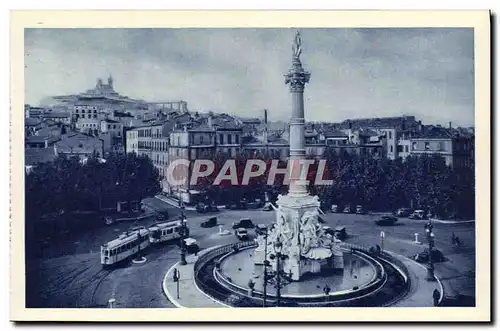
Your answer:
<point x="221" y="138"/>
<point x="427" y="145"/>
<point x="109" y="126"/>
<point x="229" y="138"/>
<point x="95" y="111"/>
<point x="95" y="116"/>
<point x="89" y="116"/>
<point x="201" y="140"/>
<point x="392" y="149"/>
<point x="236" y="139"/>
<point x="77" y="111"/>
<point x="414" y="146"/>
<point x="178" y="141"/>
<point x="390" y="134"/>
<point x="406" y="148"/>
<point x="114" y="126"/>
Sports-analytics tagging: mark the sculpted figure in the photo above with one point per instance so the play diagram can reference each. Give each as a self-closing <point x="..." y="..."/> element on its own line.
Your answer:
<point x="297" y="46"/>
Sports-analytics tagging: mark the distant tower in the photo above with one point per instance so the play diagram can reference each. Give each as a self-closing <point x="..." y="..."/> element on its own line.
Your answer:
<point x="110" y="81"/>
<point x="99" y="83"/>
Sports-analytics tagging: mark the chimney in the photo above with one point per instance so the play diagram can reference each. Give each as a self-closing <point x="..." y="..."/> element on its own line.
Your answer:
<point x="420" y="126"/>
<point x="450" y="125"/>
<point x="265" y="117"/>
<point x="209" y="122"/>
<point x="349" y="123"/>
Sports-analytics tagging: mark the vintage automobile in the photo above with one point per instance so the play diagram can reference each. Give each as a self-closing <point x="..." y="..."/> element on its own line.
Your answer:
<point x="423" y="257"/>
<point x="204" y="208"/>
<point x="347" y="209"/>
<point x="267" y="207"/>
<point x="335" y="209"/>
<point x="243" y="223"/>
<point x="191" y="245"/>
<point x="403" y="212"/>
<point x="261" y="229"/>
<point x="241" y="233"/>
<point x="340" y="232"/>
<point x="359" y="209"/>
<point x="386" y="220"/>
<point x="210" y="223"/>
<point x="329" y="230"/>
<point x="417" y="215"/>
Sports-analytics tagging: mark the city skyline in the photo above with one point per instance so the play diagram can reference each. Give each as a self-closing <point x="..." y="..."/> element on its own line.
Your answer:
<point x="428" y="73"/>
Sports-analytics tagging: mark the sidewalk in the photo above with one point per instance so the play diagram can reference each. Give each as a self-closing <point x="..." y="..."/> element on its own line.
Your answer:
<point x="435" y="220"/>
<point x="173" y="202"/>
<point x="189" y="294"/>
<point x="421" y="291"/>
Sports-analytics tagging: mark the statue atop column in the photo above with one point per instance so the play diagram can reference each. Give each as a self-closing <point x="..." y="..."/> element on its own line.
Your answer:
<point x="297" y="46"/>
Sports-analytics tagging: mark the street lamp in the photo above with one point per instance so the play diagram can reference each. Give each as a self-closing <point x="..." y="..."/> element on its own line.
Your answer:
<point x="278" y="247"/>
<point x="430" y="239"/>
<point x="183" y="236"/>
<point x="382" y="236"/>
<point x="266" y="264"/>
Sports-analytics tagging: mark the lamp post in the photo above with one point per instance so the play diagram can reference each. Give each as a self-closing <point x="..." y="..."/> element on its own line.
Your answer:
<point x="183" y="236"/>
<point x="382" y="236"/>
<point x="176" y="278"/>
<point x="278" y="246"/>
<point x="266" y="264"/>
<point x="430" y="239"/>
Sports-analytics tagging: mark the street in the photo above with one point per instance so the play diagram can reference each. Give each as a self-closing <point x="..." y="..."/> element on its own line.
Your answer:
<point x="70" y="274"/>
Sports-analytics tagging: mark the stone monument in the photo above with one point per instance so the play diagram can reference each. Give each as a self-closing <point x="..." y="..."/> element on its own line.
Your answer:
<point x="307" y="247"/>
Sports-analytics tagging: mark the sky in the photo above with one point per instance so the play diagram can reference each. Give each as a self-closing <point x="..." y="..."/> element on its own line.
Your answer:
<point x="355" y="73"/>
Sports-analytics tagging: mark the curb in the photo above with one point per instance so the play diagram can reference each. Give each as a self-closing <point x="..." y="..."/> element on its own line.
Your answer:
<point x="452" y="222"/>
<point x="441" y="288"/>
<point x="173" y="299"/>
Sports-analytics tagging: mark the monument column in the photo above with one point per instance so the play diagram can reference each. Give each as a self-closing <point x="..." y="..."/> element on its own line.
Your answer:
<point x="297" y="78"/>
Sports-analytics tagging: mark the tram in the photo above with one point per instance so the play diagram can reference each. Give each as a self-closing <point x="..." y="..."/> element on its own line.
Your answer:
<point x="166" y="231"/>
<point x="125" y="246"/>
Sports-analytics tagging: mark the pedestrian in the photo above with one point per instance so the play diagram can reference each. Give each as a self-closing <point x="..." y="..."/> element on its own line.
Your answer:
<point x="458" y="242"/>
<point x="453" y="239"/>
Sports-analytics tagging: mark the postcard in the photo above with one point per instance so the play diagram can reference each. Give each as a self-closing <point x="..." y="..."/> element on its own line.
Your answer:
<point x="250" y="166"/>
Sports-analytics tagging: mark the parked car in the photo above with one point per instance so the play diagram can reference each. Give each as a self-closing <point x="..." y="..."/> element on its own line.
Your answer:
<point x="243" y="223"/>
<point x="335" y="208"/>
<point x="242" y="204"/>
<point x="347" y="209"/>
<point x="359" y="209"/>
<point x="340" y="232"/>
<point x="210" y="223"/>
<point x="386" y="220"/>
<point x="267" y="207"/>
<point x="191" y="245"/>
<point x="417" y="215"/>
<point x="403" y="212"/>
<point x="423" y="257"/>
<point x="261" y="229"/>
<point x="329" y="230"/>
<point x="201" y="207"/>
<point x="241" y="233"/>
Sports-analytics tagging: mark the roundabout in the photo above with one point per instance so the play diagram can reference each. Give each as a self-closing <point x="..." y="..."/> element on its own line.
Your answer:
<point x="379" y="280"/>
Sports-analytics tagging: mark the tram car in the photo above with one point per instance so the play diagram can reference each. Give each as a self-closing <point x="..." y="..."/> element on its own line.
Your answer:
<point x="166" y="231"/>
<point x="125" y="246"/>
